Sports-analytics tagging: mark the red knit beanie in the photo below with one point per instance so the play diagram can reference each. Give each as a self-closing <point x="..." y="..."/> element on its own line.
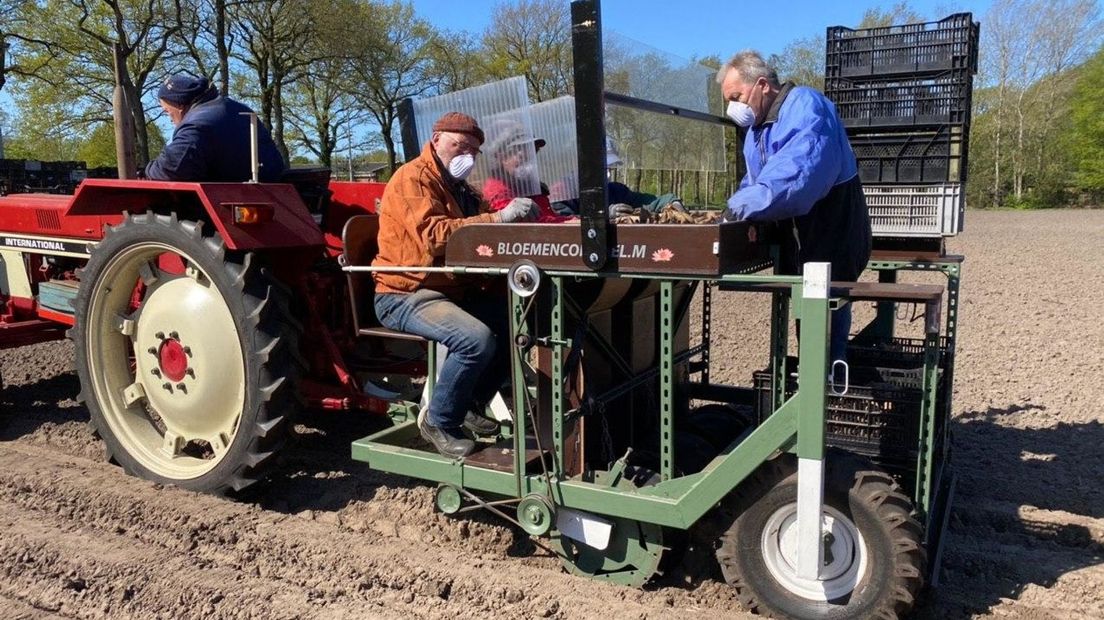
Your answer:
<point x="458" y="122"/>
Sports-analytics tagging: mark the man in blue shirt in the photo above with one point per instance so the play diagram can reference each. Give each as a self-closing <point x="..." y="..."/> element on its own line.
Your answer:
<point x="211" y="137"/>
<point x="801" y="173"/>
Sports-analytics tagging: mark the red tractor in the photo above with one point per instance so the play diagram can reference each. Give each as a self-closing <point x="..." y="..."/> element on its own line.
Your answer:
<point x="188" y="304"/>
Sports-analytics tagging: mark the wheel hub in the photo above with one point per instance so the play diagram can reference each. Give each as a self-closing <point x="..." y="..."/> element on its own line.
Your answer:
<point x="843" y="559"/>
<point x="196" y="390"/>
<point x="536" y="514"/>
<point x="173" y="360"/>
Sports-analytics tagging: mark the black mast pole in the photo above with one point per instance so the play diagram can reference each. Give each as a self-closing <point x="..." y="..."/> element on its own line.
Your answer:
<point x="590" y="128"/>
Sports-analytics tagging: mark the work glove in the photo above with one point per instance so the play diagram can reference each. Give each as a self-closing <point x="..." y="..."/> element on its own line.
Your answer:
<point x="620" y="209"/>
<point x="519" y="210"/>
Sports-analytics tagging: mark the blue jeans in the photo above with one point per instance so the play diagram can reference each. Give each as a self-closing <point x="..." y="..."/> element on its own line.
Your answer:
<point x="476" y="332"/>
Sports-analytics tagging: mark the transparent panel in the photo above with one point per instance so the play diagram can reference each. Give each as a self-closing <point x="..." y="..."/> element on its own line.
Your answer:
<point x="558" y="161"/>
<point x="650" y="141"/>
<point x="638" y="70"/>
<point x="502" y="109"/>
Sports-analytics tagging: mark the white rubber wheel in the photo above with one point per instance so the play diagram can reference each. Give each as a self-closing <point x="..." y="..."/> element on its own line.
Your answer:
<point x="183" y="352"/>
<point x="873" y="559"/>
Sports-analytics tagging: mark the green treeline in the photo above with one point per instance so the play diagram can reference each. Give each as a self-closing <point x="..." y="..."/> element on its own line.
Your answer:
<point x="327" y="77"/>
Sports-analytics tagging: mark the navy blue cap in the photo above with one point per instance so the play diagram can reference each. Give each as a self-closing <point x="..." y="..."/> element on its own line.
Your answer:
<point x="183" y="89"/>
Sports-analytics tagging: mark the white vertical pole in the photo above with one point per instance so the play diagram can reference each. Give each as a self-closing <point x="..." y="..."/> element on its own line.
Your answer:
<point x="810" y="500"/>
<point x="810" y="463"/>
<point x="254" y="149"/>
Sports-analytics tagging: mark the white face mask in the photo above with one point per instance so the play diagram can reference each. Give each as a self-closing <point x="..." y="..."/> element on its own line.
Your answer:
<point x="741" y="113"/>
<point x="461" y="166"/>
<point x="526" y="171"/>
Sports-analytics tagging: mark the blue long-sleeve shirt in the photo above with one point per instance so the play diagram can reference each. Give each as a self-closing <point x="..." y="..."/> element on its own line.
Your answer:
<point x="212" y="144"/>
<point x="794" y="159"/>
<point x="802" y="172"/>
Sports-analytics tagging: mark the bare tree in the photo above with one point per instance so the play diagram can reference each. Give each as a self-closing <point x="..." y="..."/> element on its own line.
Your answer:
<point x="206" y="38"/>
<point x="801" y="62"/>
<point x="392" y="61"/>
<point x="276" y="46"/>
<point x="66" y="47"/>
<point x="321" y="110"/>
<point x="1028" y="42"/>
<point x="531" y="38"/>
<point x="900" y="13"/>
<point x="457" y="60"/>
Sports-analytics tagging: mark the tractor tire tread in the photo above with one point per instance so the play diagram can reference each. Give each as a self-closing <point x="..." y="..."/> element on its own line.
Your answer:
<point x="273" y="332"/>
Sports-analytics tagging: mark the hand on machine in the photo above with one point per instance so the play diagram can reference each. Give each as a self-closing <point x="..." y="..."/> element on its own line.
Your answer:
<point x="620" y="210"/>
<point x="520" y="209"/>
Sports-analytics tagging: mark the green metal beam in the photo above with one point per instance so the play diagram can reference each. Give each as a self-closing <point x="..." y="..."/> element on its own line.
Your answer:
<point x="676" y="503"/>
<point x="666" y="381"/>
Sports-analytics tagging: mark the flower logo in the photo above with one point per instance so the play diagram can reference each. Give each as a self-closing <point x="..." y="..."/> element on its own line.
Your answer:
<point x="662" y="255"/>
<point x="484" y="250"/>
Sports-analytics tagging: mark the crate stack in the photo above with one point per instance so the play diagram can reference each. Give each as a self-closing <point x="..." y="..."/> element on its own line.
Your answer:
<point x="31" y="175"/>
<point x="905" y="94"/>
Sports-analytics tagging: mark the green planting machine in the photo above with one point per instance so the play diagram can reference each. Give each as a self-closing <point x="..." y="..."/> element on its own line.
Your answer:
<point x="826" y="499"/>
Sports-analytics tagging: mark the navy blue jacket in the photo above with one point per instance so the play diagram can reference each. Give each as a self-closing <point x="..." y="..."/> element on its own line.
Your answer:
<point x="803" y="174"/>
<point x="212" y="144"/>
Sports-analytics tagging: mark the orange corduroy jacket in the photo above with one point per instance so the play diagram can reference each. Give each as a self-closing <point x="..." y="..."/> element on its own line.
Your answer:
<point x="418" y="213"/>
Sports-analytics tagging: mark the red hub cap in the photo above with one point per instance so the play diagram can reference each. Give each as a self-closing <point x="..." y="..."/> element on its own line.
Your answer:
<point x="173" y="360"/>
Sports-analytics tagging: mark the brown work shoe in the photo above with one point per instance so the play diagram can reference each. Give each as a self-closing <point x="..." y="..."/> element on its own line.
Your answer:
<point x="480" y="425"/>
<point x="447" y="442"/>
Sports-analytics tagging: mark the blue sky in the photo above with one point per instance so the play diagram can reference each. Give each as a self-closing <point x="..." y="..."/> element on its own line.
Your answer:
<point x="689" y="28"/>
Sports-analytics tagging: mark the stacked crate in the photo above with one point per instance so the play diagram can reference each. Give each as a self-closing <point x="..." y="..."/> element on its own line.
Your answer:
<point x="905" y="94"/>
<point x="31" y="175"/>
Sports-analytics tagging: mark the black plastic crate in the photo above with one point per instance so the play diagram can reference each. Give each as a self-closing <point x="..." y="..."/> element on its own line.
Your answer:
<point x="876" y="420"/>
<point x="879" y="417"/>
<point x="950" y="43"/>
<point x="937" y="156"/>
<point x="897" y="353"/>
<point x="942" y="99"/>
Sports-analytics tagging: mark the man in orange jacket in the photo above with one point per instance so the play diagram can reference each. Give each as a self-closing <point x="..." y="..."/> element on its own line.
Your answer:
<point x="424" y="202"/>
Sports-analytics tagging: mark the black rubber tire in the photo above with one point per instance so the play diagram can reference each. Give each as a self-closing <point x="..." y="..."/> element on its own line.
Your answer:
<point x="692" y="453"/>
<point x="267" y="334"/>
<point x="718" y="424"/>
<point x="880" y="512"/>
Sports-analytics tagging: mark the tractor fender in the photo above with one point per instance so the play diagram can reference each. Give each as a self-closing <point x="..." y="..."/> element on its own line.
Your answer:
<point x="290" y="225"/>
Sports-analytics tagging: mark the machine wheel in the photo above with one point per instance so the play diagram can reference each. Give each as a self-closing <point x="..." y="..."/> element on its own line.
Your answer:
<point x="635" y="549"/>
<point x="185" y="353"/>
<point x="720" y="425"/>
<point x="874" y="564"/>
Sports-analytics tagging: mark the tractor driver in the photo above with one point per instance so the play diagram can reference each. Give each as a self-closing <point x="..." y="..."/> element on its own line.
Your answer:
<point x="210" y="139"/>
<point x="424" y="202"/>
<point x="801" y="173"/>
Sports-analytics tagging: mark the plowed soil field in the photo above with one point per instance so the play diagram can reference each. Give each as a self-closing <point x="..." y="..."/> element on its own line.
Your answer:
<point x="327" y="537"/>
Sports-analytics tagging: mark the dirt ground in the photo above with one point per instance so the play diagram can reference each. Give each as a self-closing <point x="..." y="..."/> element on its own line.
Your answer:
<point x="326" y="537"/>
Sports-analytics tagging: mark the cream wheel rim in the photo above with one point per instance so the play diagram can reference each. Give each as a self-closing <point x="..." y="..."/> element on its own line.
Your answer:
<point x="844" y="552"/>
<point x="170" y="376"/>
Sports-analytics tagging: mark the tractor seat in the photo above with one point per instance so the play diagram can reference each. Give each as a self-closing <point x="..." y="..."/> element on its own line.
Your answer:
<point x="359" y="239"/>
<point x="312" y="185"/>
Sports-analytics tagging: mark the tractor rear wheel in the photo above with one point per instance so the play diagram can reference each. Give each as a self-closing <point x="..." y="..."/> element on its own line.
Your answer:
<point x="185" y="353"/>
<point x="873" y="560"/>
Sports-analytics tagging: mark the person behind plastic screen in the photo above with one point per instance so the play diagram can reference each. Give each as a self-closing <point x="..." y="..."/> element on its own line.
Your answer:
<point x="514" y="169"/>
<point x="622" y="200"/>
<point x="211" y="137"/>
<point x="425" y="201"/>
<point x="801" y="173"/>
